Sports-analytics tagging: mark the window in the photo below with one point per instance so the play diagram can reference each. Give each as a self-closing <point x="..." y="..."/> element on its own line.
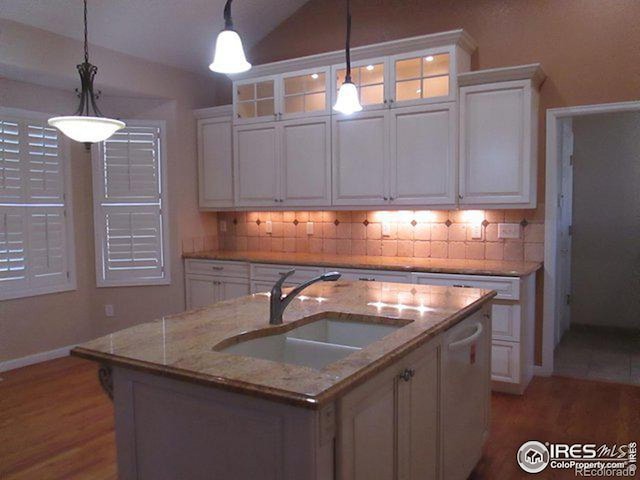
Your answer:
<point x="130" y="207"/>
<point x="36" y="228"/>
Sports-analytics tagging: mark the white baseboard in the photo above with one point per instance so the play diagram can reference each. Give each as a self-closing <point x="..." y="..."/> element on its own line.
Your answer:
<point x="35" y="358"/>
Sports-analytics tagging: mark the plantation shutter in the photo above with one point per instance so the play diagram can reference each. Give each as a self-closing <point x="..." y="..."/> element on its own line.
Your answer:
<point x="130" y="207"/>
<point x="35" y="226"/>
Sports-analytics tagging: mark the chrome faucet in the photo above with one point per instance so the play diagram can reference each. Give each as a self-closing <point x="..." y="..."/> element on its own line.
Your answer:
<point x="279" y="302"/>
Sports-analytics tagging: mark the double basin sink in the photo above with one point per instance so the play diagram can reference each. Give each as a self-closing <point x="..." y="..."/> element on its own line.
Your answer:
<point x="315" y="344"/>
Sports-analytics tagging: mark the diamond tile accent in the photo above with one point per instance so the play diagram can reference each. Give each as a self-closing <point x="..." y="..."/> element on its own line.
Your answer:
<point x="524" y="222"/>
<point x="258" y="221"/>
<point x="485" y="223"/>
<point x="336" y="222"/>
<point x="448" y="223"/>
<point x="365" y="223"/>
<point x="235" y="221"/>
<point x="296" y="222"/>
<point x="414" y="223"/>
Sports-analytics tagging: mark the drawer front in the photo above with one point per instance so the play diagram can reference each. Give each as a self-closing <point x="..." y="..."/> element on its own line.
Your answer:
<point x="272" y="273"/>
<point x="214" y="267"/>
<point x="505" y="320"/>
<point x="505" y="361"/>
<point x="372" y="275"/>
<point x="508" y="288"/>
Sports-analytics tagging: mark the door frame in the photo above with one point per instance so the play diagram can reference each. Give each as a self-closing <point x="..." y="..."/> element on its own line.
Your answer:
<point x="552" y="275"/>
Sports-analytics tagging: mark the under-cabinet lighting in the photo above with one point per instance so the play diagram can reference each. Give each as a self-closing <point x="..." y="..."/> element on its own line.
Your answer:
<point x="429" y="58"/>
<point x="370" y="67"/>
<point x="314" y="76"/>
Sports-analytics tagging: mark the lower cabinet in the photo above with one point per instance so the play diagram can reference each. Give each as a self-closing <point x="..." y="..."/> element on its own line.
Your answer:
<point x="203" y="290"/>
<point x="512" y="311"/>
<point x="389" y="426"/>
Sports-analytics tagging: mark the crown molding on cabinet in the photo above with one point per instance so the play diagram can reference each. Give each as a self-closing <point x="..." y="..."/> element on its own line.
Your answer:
<point x="220" y="111"/>
<point x="458" y="37"/>
<point x="533" y="72"/>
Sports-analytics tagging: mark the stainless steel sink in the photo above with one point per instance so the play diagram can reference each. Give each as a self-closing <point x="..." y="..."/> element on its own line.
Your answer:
<point x="315" y="344"/>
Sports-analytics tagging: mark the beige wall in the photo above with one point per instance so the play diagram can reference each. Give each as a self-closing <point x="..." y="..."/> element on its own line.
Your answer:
<point x="134" y="89"/>
<point x="605" y="251"/>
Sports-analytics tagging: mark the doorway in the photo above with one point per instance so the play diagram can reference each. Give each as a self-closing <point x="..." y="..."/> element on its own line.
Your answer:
<point x="595" y="252"/>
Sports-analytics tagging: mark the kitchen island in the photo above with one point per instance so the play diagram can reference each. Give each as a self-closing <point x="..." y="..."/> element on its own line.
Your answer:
<point x="361" y="381"/>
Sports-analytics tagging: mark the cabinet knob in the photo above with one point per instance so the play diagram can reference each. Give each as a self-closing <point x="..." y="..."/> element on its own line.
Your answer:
<point x="407" y="374"/>
<point x="392" y="198"/>
<point x="460" y="196"/>
<point x="385" y="198"/>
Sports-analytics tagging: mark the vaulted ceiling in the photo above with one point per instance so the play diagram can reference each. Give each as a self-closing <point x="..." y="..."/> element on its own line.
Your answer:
<point x="180" y="33"/>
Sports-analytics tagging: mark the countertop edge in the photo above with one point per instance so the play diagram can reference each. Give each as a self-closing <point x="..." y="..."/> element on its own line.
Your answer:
<point x="240" y="257"/>
<point x="285" y="396"/>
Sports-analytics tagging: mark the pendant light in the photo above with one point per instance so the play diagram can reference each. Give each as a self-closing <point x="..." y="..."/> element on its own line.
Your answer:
<point x="87" y="124"/>
<point x="348" y="101"/>
<point x="229" y="55"/>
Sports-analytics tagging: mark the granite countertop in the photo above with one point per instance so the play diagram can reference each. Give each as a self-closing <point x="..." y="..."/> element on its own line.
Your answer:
<point x="407" y="264"/>
<point x="182" y="346"/>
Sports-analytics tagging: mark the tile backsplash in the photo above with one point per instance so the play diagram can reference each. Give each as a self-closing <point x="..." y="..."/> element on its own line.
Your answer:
<point x="436" y="234"/>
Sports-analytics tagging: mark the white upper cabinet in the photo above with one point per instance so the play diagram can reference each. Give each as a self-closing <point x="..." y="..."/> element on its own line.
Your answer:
<point x="257" y="162"/>
<point x="360" y="158"/>
<point x="498" y="137"/>
<point x="426" y="76"/>
<point x="422" y="161"/>
<point x="215" y="157"/>
<point x="305" y="94"/>
<point x="256" y="100"/>
<point x="371" y="77"/>
<point x="306" y="162"/>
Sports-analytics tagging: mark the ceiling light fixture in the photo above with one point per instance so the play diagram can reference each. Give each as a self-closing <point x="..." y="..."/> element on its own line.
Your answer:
<point x="87" y="124"/>
<point x="347" y="101"/>
<point x="229" y="54"/>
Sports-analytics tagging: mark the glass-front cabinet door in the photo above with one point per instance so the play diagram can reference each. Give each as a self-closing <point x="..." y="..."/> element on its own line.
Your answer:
<point x="305" y="93"/>
<point x="371" y="79"/>
<point x="255" y="100"/>
<point x="422" y="77"/>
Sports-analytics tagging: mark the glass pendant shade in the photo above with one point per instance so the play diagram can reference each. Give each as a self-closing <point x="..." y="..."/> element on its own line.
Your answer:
<point x="347" y="101"/>
<point x="86" y="129"/>
<point x="229" y="55"/>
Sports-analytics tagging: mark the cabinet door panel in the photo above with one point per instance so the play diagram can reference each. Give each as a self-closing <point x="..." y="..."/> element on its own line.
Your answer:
<point x="496" y="159"/>
<point x="257" y="165"/>
<point x="306" y="162"/>
<point x="201" y="291"/>
<point x="368" y="431"/>
<point x="422" y="160"/>
<point x="233" y="288"/>
<point x="360" y="159"/>
<point x="215" y="163"/>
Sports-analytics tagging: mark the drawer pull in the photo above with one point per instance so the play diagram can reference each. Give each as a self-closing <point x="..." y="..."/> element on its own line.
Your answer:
<point x="367" y="279"/>
<point x="217" y="268"/>
<point x="459" y="285"/>
<point x="469" y="340"/>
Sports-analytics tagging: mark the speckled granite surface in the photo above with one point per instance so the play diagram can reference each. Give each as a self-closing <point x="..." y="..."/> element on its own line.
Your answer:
<point x="183" y="346"/>
<point x="404" y="264"/>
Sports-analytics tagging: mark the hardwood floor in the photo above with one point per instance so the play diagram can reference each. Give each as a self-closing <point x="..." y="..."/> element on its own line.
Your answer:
<point x="56" y="423"/>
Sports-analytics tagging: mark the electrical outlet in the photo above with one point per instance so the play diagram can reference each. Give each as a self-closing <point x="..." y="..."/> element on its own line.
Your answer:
<point x="269" y="227"/>
<point x="476" y="231"/>
<point x="508" y="230"/>
<point x="309" y="228"/>
<point x="223" y="225"/>
<point x="386" y="229"/>
<point x="108" y="310"/>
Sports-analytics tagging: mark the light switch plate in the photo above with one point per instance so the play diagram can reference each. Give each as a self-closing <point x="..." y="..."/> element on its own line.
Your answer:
<point x="476" y="231"/>
<point x="269" y="226"/>
<point x="108" y="311"/>
<point x="508" y="230"/>
<point x="309" y="228"/>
